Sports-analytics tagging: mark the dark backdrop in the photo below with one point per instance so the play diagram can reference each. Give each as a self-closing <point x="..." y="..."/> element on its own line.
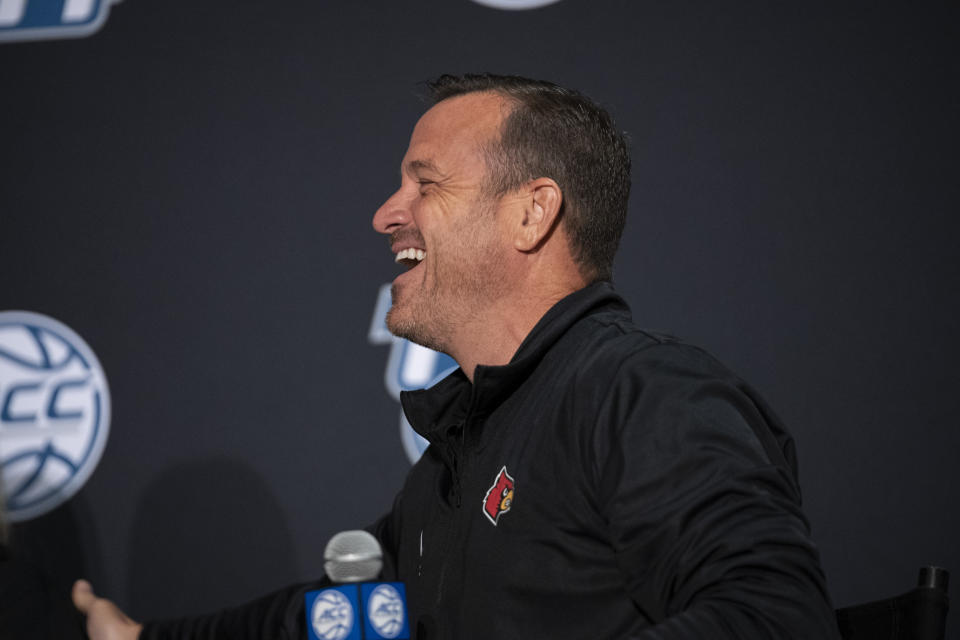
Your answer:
<point x="191" y="189"/>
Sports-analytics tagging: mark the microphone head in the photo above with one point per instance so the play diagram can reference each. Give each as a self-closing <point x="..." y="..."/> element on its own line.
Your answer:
<point x="353" y="556"/>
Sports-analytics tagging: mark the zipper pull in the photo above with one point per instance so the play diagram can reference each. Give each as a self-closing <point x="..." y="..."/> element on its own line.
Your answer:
<point x="420" y="560"/>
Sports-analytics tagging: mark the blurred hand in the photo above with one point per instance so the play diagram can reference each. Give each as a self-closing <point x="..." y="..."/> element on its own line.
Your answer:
<point x="105" y="621"/>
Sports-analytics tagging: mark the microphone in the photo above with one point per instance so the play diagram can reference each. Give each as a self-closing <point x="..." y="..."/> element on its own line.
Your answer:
<point x="356" y="607"/>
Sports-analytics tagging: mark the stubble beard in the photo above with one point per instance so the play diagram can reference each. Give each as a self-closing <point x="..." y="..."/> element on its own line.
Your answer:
<point x="463" y="289"/>
<point x="414" y="321"/>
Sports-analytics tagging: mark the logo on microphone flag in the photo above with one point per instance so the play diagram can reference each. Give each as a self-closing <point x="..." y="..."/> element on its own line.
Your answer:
<point x="386" y="611"/>
<point x="331" y="614"/>
<point x="367" y="611"/>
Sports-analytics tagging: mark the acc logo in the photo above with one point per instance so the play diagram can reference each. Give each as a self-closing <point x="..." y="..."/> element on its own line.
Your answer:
<point x="515" y="4"/>
<point x="499" y="497"/>
<point x="43" y="19"/>
<point x="410" y="366"/>
<point x="331" y="617"/>
<point x="385" y="611"/>
<point x="54" y="413"/>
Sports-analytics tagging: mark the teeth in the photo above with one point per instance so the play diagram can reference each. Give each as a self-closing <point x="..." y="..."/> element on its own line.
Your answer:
<point x="410" y="254"/>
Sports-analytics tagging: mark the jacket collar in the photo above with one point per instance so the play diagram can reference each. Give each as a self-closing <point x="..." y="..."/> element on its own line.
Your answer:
<point x="433" y="412"/>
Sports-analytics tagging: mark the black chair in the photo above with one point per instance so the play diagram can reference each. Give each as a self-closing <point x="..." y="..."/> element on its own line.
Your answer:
<point x="919" y="614"/>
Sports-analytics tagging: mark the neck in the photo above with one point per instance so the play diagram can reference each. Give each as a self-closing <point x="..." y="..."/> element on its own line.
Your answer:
<point x="493" y="337"/>
<point x="530" y="283"/>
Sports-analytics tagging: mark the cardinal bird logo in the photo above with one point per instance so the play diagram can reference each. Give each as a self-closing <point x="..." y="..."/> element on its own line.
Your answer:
<point x="499" y="497"/>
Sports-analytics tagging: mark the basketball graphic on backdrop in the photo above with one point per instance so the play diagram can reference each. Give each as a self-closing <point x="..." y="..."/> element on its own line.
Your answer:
<point x="515" y="5"/>
<point x="54" y="413"/>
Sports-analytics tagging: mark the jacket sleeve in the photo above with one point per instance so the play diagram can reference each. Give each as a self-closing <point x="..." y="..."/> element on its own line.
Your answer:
<point x="697" y="483"/>
<point x="279" y="615"/>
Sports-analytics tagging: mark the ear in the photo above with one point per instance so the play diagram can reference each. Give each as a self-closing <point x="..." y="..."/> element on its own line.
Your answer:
<point x="539" y="214"/>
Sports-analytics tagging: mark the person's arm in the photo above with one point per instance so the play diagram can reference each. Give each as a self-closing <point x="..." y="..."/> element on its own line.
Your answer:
<point x="704" y="507"/>
<point x="280" y="615"/>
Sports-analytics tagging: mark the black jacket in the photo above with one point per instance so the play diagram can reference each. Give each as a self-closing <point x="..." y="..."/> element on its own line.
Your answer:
<point x="606" y="483"/>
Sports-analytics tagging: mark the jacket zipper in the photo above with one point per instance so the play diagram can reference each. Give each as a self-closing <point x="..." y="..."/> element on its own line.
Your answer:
<point x="456" y="489"/>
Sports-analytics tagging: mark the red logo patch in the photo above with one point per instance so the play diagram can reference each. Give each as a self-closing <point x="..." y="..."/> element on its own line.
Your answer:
<point x="499" y="497"/>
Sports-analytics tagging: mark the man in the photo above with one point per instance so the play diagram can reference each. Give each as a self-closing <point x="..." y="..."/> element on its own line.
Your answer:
<point x="585" y="479"/>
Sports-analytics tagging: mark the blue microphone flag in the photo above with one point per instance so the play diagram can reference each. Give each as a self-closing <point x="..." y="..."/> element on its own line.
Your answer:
<point x="366" y="611"/>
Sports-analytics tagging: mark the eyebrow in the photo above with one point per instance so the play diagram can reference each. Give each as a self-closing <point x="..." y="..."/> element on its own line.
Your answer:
<point x="422" y="165"/>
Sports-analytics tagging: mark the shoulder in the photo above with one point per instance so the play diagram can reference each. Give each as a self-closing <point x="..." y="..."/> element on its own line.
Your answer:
<point x="656" y="387"/>
<point x="608" y="348"/>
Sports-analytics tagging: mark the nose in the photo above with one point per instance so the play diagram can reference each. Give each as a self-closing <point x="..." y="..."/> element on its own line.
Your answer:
<point x="392" y="214"/>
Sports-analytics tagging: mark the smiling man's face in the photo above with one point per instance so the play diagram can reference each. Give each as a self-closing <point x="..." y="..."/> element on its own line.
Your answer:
<point x="442" y="225"/>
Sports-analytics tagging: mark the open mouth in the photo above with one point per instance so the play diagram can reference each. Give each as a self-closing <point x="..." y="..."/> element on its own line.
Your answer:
<point x="410" y="258"/>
